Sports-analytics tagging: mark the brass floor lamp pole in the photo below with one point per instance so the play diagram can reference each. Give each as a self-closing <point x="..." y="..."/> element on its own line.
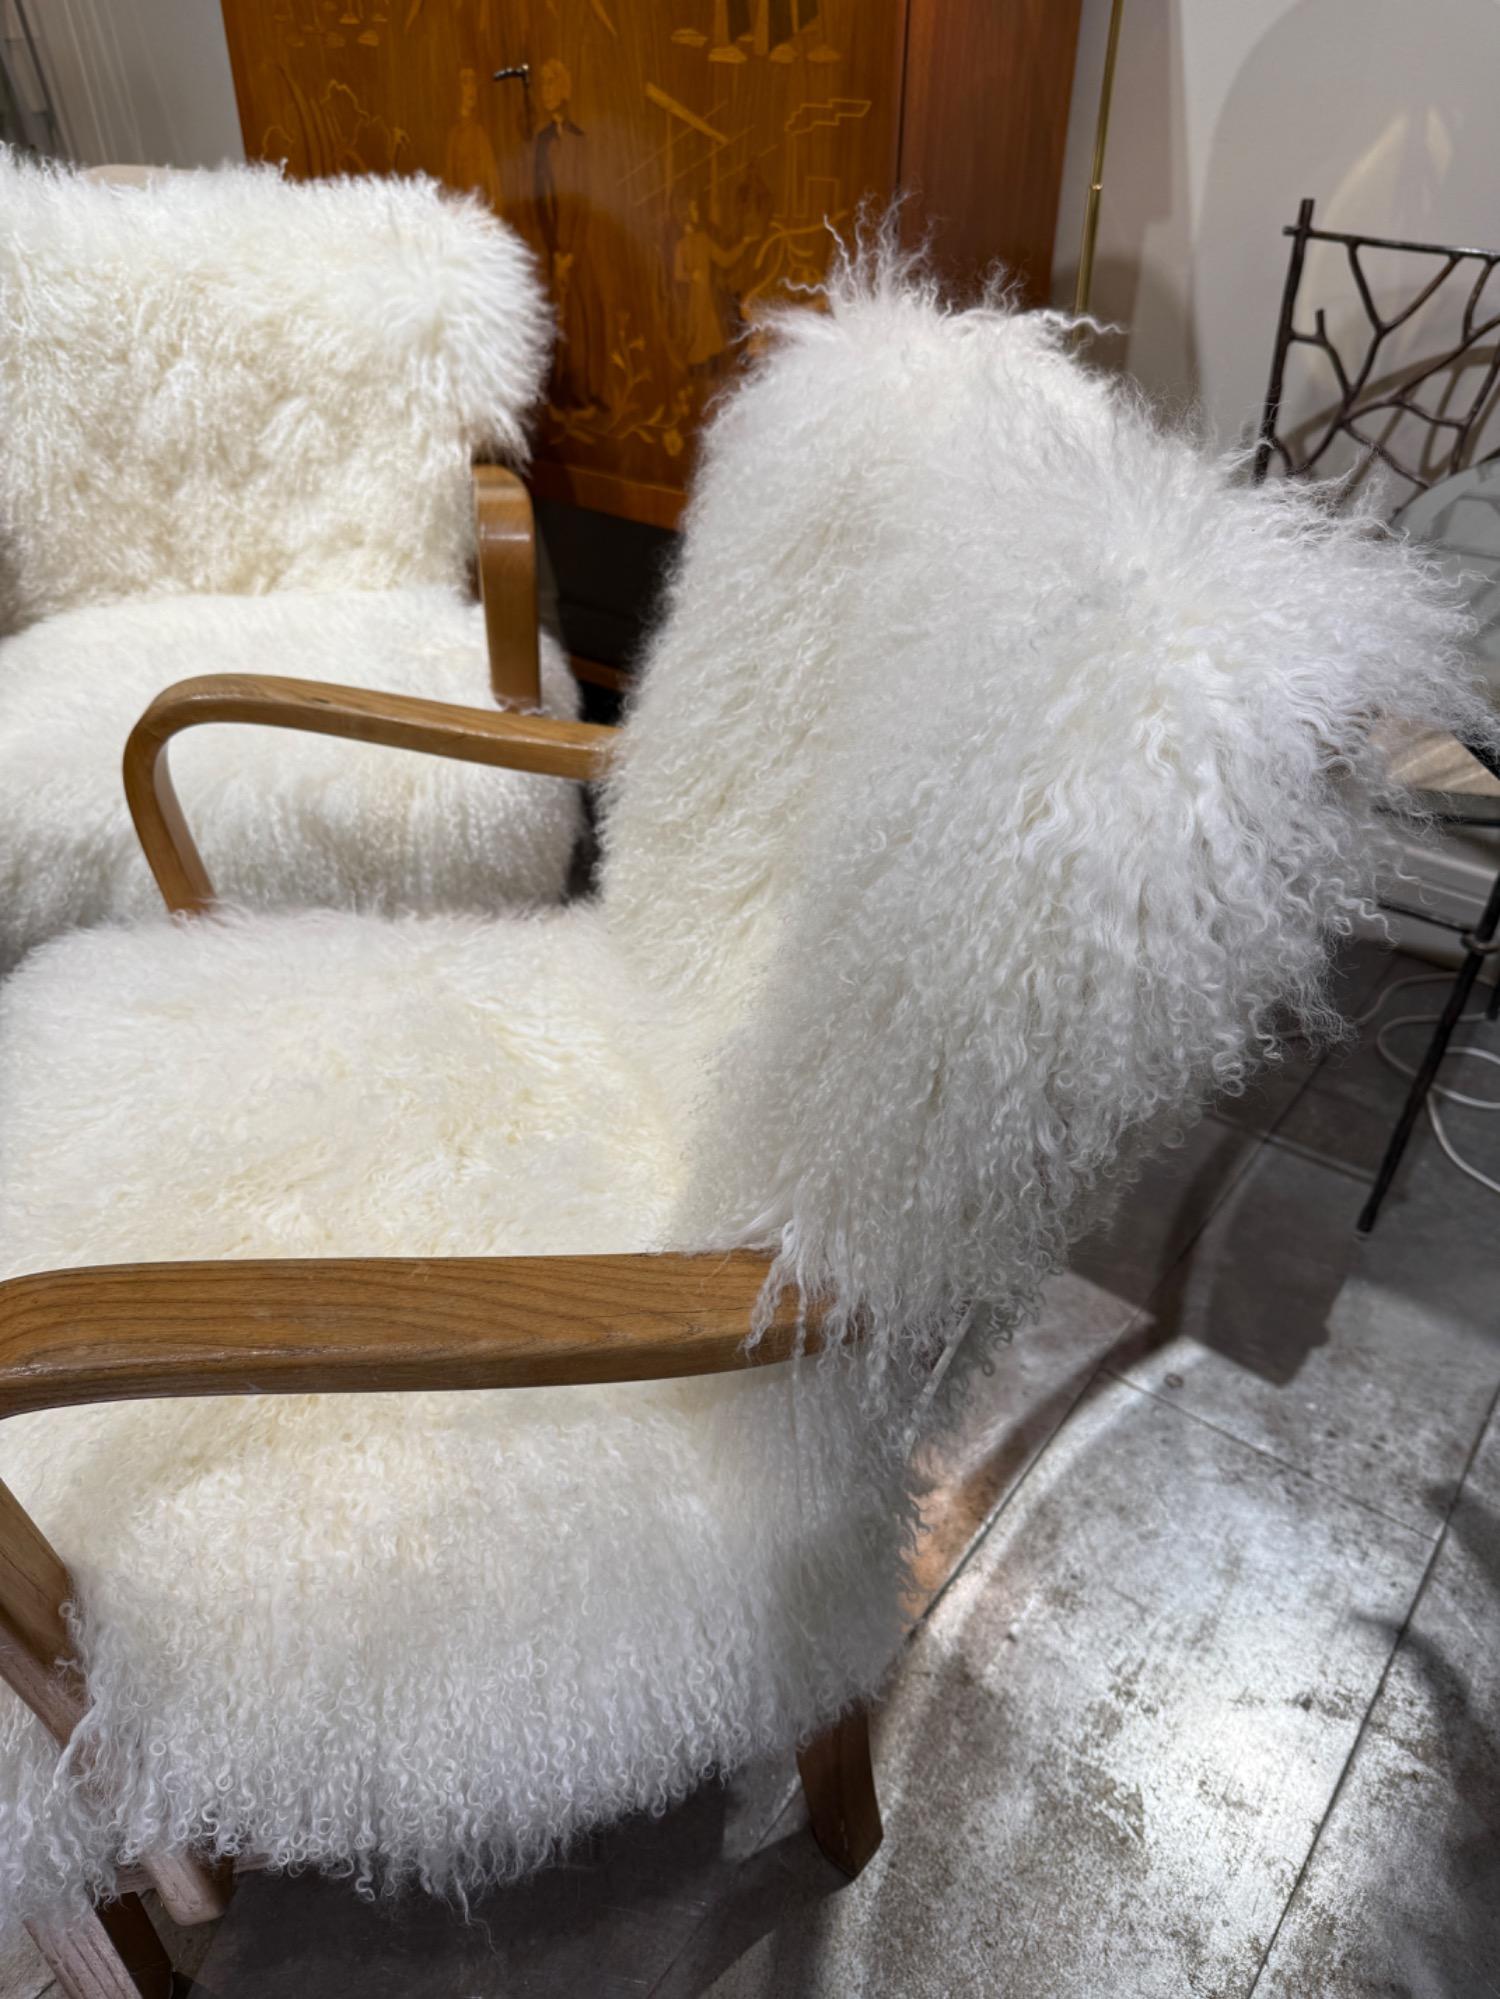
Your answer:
<point x="1085" y="282"/>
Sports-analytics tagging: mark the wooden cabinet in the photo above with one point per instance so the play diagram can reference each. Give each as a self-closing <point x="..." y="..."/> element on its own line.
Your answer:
<point x="672" y="162"/>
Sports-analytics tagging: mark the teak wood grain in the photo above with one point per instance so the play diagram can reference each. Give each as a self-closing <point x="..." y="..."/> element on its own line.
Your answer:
<point x="543" y="745"/>
<point x="838" y="1782"/>
<point x="34" y="1586"/>
<point x="984" y="129"/>
<point x="36" y="1663"/>
<point x="109" y="1952"/>
<point x="312" y="1326"/>
<point x="673" y="168"/>
<point x="505" y="556"/>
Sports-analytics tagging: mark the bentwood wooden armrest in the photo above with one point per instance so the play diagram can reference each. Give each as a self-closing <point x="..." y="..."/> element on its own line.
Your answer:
<point x="543" y="745"/>
<point x="126" y="1332"/>
<point x="505" y="552"/>
<point x="244" y="1327"/>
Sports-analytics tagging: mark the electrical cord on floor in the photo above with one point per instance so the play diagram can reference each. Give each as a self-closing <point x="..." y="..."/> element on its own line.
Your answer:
<point x="1443" y="1090"/>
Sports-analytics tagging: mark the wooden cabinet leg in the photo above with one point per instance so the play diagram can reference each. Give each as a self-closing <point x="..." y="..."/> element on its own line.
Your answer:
<point x="838" y="1782"/>
<point x="110" y="1953"/>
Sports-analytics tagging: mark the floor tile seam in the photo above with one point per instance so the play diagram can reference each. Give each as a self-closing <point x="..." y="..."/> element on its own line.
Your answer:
<point x="991" y="1519"/>
<point x="1252" y="1155"/>
<point x="1358" y="1003"/>
<point x="1141" y="1312"/>
<point x="1275" y="1458"/>
<point x="1102" y="1369"/>
<point x="919" y="1623"/>
<point x="1362" y="1732"/>
<point x="1291" y="1148"/>
<point x="1137" y="1316"/>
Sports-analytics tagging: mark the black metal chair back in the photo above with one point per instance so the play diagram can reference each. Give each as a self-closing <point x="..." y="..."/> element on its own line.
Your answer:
<point x="1368" y="392"/>
<point x="1378" y="401"/>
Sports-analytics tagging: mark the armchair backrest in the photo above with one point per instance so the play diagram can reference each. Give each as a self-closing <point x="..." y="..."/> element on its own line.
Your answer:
<point x="227" y="381"/>
<point x="995" y="781"/>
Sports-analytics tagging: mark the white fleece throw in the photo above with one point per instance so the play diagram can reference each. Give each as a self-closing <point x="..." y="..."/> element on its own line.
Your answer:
<point x="238" y="417"/>
<point x="997" y="779"/>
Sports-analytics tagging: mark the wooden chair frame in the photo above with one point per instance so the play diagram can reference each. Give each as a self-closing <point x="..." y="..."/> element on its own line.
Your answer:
<point x="504" y="536"/>
<point x="332" y="1326"/>
<point x="505" y="576"/>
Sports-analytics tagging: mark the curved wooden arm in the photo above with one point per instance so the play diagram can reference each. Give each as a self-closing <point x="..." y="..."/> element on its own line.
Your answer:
<point x="505" y="553"/>
<point x="315" y="1326"/>
<point x="283" y="1328"/>
<point x="540" y="744"/>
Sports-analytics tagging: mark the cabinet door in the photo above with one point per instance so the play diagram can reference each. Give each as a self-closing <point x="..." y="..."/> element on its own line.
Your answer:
<point x="673" y="163"/>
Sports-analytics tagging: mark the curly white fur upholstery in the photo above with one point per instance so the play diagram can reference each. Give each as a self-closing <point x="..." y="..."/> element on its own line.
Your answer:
<point x="434" y="1633"/>
<point x="1083" y="780"/>
<point x="219" y="386"/>
<point x="998" y="775"/>
<point x="281" y="818"/>
<point x="229" y="381"/>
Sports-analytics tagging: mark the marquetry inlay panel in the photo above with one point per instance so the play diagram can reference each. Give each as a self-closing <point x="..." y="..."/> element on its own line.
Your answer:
<point x="674" y="164"/>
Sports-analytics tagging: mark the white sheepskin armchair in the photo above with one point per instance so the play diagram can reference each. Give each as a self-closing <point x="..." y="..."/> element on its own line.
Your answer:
<point x="998" y="780"/>
<point x="239" y="415"/>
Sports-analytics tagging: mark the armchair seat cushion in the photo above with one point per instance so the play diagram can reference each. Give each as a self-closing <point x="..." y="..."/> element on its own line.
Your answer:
<point x="422" y="1635"/>
<point x="283" y="819"/>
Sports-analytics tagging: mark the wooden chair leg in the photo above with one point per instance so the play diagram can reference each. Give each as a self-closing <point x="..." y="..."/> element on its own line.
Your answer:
<point x="838" y="1782"/>
<point x="110" y="1953"/>
<point x="34" y="1649"/>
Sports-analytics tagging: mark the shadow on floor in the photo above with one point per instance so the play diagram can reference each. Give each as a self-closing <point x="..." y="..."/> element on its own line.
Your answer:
<point x="610" y="1921"/>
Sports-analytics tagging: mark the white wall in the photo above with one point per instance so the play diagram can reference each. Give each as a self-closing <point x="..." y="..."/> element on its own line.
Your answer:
<point x="1225" y="113"/>
<point x="140" y="80"/>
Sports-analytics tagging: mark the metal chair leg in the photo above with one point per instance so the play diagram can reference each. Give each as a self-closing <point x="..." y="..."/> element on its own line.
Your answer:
<point x="1481" y="944"/>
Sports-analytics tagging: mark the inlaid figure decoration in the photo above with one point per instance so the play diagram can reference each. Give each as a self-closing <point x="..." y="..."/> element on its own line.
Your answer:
<point x="677" y="165"/>
<point x="554" y="1304"/>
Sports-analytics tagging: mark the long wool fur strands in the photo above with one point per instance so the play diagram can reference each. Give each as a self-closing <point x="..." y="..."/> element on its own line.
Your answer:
<point x="231" y="382"/>
<point x="1083" y="784"/>
<point x="996" y="783"/>
<point x="282" y="819"/>
<point x="238" y="417"/>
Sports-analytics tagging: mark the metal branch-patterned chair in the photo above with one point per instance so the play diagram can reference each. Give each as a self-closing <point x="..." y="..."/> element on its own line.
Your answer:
<point x="1423" y="446"/>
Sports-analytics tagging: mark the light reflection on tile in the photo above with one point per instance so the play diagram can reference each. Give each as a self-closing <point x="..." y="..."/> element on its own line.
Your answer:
<point x="1368" y="1363"/>
<point x="1402" y="1894"/>
<point x="1009" y="1416"/>
<point x="1360" y="969"/>
<point x="1105" y="1757"/>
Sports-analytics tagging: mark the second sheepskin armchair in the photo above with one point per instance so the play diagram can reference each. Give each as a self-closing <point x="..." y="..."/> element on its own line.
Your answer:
<point x="996" y="782"/>
<point x="240" y="416"/>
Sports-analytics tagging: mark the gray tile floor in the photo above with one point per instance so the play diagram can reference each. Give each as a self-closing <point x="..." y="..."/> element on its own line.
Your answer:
<point x="1207" y="1698"/>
